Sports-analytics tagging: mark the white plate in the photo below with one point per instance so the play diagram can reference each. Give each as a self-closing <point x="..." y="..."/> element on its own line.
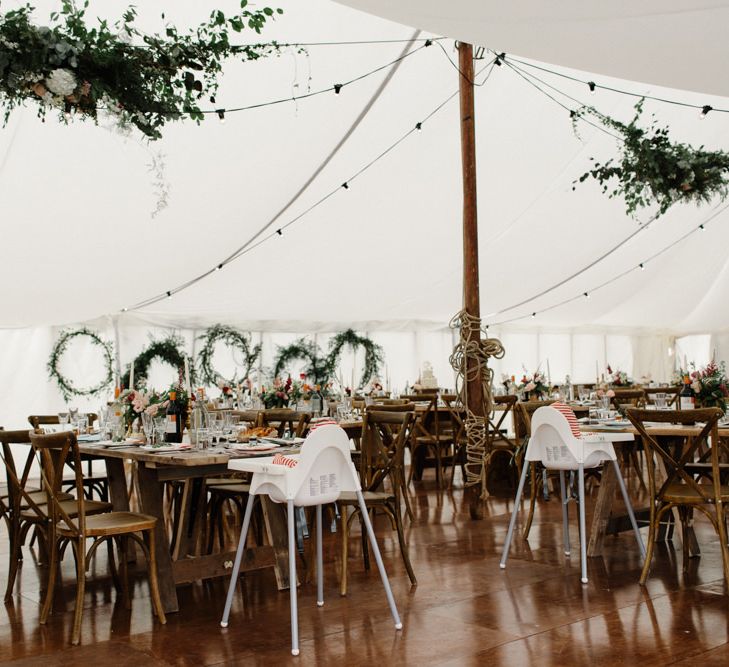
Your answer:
<point x="175" y="447"/>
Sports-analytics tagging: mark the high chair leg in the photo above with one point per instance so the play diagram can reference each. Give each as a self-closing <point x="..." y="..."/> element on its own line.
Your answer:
<point x="319" y="560"/>
<point x="292" y="580"/>
<point x="378" y="560"/>
<point x="583" y="541"/>
<point x="565" y="513"/>
<point x="629" y="507"/>
<point x="238" y="558"/>
<point x="510" y="533"/>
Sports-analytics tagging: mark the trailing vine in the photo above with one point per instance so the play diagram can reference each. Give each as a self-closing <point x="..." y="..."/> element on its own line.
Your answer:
<point x="79" y="70"/>
<point x="320" y="367"/>
<point x="231" y="337"/>
<point x="68" y="389"/>
<point x="653" y="170"/>
<point x="168" y="350"/>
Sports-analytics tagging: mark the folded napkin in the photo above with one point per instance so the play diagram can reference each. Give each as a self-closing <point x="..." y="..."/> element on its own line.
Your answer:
<point x="281" y="460"/>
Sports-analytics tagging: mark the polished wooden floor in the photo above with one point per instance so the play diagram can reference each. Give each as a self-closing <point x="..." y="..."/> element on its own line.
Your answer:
<point x="464" y="610"/>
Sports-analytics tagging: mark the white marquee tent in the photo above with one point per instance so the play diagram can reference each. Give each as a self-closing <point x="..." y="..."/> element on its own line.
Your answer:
<point x="384" y="256"/>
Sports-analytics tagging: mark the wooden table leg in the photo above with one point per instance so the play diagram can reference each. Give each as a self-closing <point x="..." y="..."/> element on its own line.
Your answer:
<point x="151" y="500"/>
<point x="603" y="507"/>
<point x="118" y="495"/>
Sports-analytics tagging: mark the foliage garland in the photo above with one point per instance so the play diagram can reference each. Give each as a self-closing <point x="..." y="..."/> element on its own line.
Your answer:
<point x="64" y="384"/>
<point x="652" y="169"/>
<point x="231" y="337"/>
<point x="168" y="350"/>
<point x="322" y="367"/>
<point x="71" y="67"/>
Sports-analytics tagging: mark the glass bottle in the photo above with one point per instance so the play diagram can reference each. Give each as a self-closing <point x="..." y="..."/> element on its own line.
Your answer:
<point x="199" y="421"/>
<point x="173" y="427"/>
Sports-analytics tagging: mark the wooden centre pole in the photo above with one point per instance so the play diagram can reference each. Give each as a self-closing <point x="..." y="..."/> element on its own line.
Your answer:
<point x="470" y="237"/>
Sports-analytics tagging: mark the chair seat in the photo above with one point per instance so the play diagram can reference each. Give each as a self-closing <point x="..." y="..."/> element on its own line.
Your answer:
<point x="70" y="507"/>
<point x="683" y="493"/>
<point x="370" y="497"/>
<point x="113" y="523"/>
<point x="216" y="481"/>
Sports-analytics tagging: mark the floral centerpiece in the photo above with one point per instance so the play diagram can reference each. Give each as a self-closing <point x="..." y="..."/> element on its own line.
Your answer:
<point x="278" y="395"/>
<point x="618" y="378"/>
<point x="533" y="386"/>
<point x="136" y="401"/>
<point x="710" y="385"/>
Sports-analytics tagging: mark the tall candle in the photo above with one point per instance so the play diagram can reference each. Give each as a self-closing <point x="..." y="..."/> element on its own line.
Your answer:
<point x="352" y="385"/>
<point x="549" y="375"/>
<point x="131" y="377"/>
<point x="597" y="372"/>
<point x="188" y="386"/>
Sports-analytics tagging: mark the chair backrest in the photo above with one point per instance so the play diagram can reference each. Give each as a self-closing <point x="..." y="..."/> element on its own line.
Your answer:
<point x="628" y="397"/>
<point x="553" y="443"/>
<point x="282" y="418"/>
<point x="390" y="401"/>
<point x="36" y="421"/>
<point x="392" y="407"/>
<point x="675" y="463"/>
<point x="55" y="451"/>
<point x="17" y="481"/>
<point x="670" y="392"/>
<point x="253" y="417"/>
<point x="384" y="434"/>
<point x="323" y="471"/>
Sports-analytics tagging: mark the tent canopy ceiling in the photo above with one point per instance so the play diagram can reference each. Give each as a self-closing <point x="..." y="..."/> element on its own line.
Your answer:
<point x="675" y="43"/>
<point x="80" y="241"/>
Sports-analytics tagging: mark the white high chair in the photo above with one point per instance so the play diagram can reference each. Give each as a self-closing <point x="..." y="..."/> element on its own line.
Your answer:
<point x="323" y="471"/>
<point x="557" y="448"/>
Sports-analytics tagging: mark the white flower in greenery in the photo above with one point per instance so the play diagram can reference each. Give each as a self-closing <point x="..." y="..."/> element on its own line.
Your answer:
<point x="61" y="82"/>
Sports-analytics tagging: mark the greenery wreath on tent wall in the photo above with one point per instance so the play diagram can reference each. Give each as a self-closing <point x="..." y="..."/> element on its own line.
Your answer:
<point x="320" y="367"/>
<point x="67" y="387"/>
<point x="233" y="338"/>
<point x="167" y="350"/>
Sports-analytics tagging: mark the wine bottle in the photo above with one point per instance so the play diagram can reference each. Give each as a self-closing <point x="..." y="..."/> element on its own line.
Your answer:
<point x="686" y="397"/>
<point x="173" y="428"/>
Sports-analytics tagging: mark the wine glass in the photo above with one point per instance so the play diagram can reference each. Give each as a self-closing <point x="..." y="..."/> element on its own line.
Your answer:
<point x="73" y="414"/>
<point x="63" y="420"/>
<point x="660" y="401"/>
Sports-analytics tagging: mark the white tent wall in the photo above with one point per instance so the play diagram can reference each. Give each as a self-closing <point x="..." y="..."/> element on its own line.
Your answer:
<point x="25" y="388"/>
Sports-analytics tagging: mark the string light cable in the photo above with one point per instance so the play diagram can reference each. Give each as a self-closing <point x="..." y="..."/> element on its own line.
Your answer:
<point x="639" y="267"/>
<point x="249" y="245"/>
<point x="592" y="86"/>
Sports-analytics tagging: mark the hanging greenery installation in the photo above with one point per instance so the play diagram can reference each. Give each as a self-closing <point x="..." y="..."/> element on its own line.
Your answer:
<point x="68" y="389"/>
<point x="138" y="79"/>
<point x="652" y="169"/>
<point x="232" y="338"/>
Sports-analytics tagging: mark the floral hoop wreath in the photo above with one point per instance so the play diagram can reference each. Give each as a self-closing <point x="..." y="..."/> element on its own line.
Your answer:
<point x="167" y="350"/>
<point x="232" y="338"/>
<point x="68" y="389"/>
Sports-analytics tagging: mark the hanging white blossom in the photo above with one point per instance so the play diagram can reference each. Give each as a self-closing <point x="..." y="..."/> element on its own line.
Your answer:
<point x="61" y="82"/>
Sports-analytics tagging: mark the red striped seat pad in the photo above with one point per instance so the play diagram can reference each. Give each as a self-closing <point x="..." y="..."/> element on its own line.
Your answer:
<point x="281" y="460"/>
<point x="569" y="413"/>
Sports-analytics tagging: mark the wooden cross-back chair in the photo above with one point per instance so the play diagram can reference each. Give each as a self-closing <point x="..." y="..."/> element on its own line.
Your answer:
<point x="433" y="432"/>
<point x="680" y="489"/>
<point x="457" y="417"/>
<point x="98" y="483"/>
<point x="384" y="434"/>
<point x="283" y="418"/>
<point x="23" y="507"/>
<point x="670" y="392"/>
<point x="75" y="524"/>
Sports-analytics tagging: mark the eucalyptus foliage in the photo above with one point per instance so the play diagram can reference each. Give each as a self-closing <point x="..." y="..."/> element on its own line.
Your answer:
<point x="653" y="170"/>
<point x="142" y="80"/>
